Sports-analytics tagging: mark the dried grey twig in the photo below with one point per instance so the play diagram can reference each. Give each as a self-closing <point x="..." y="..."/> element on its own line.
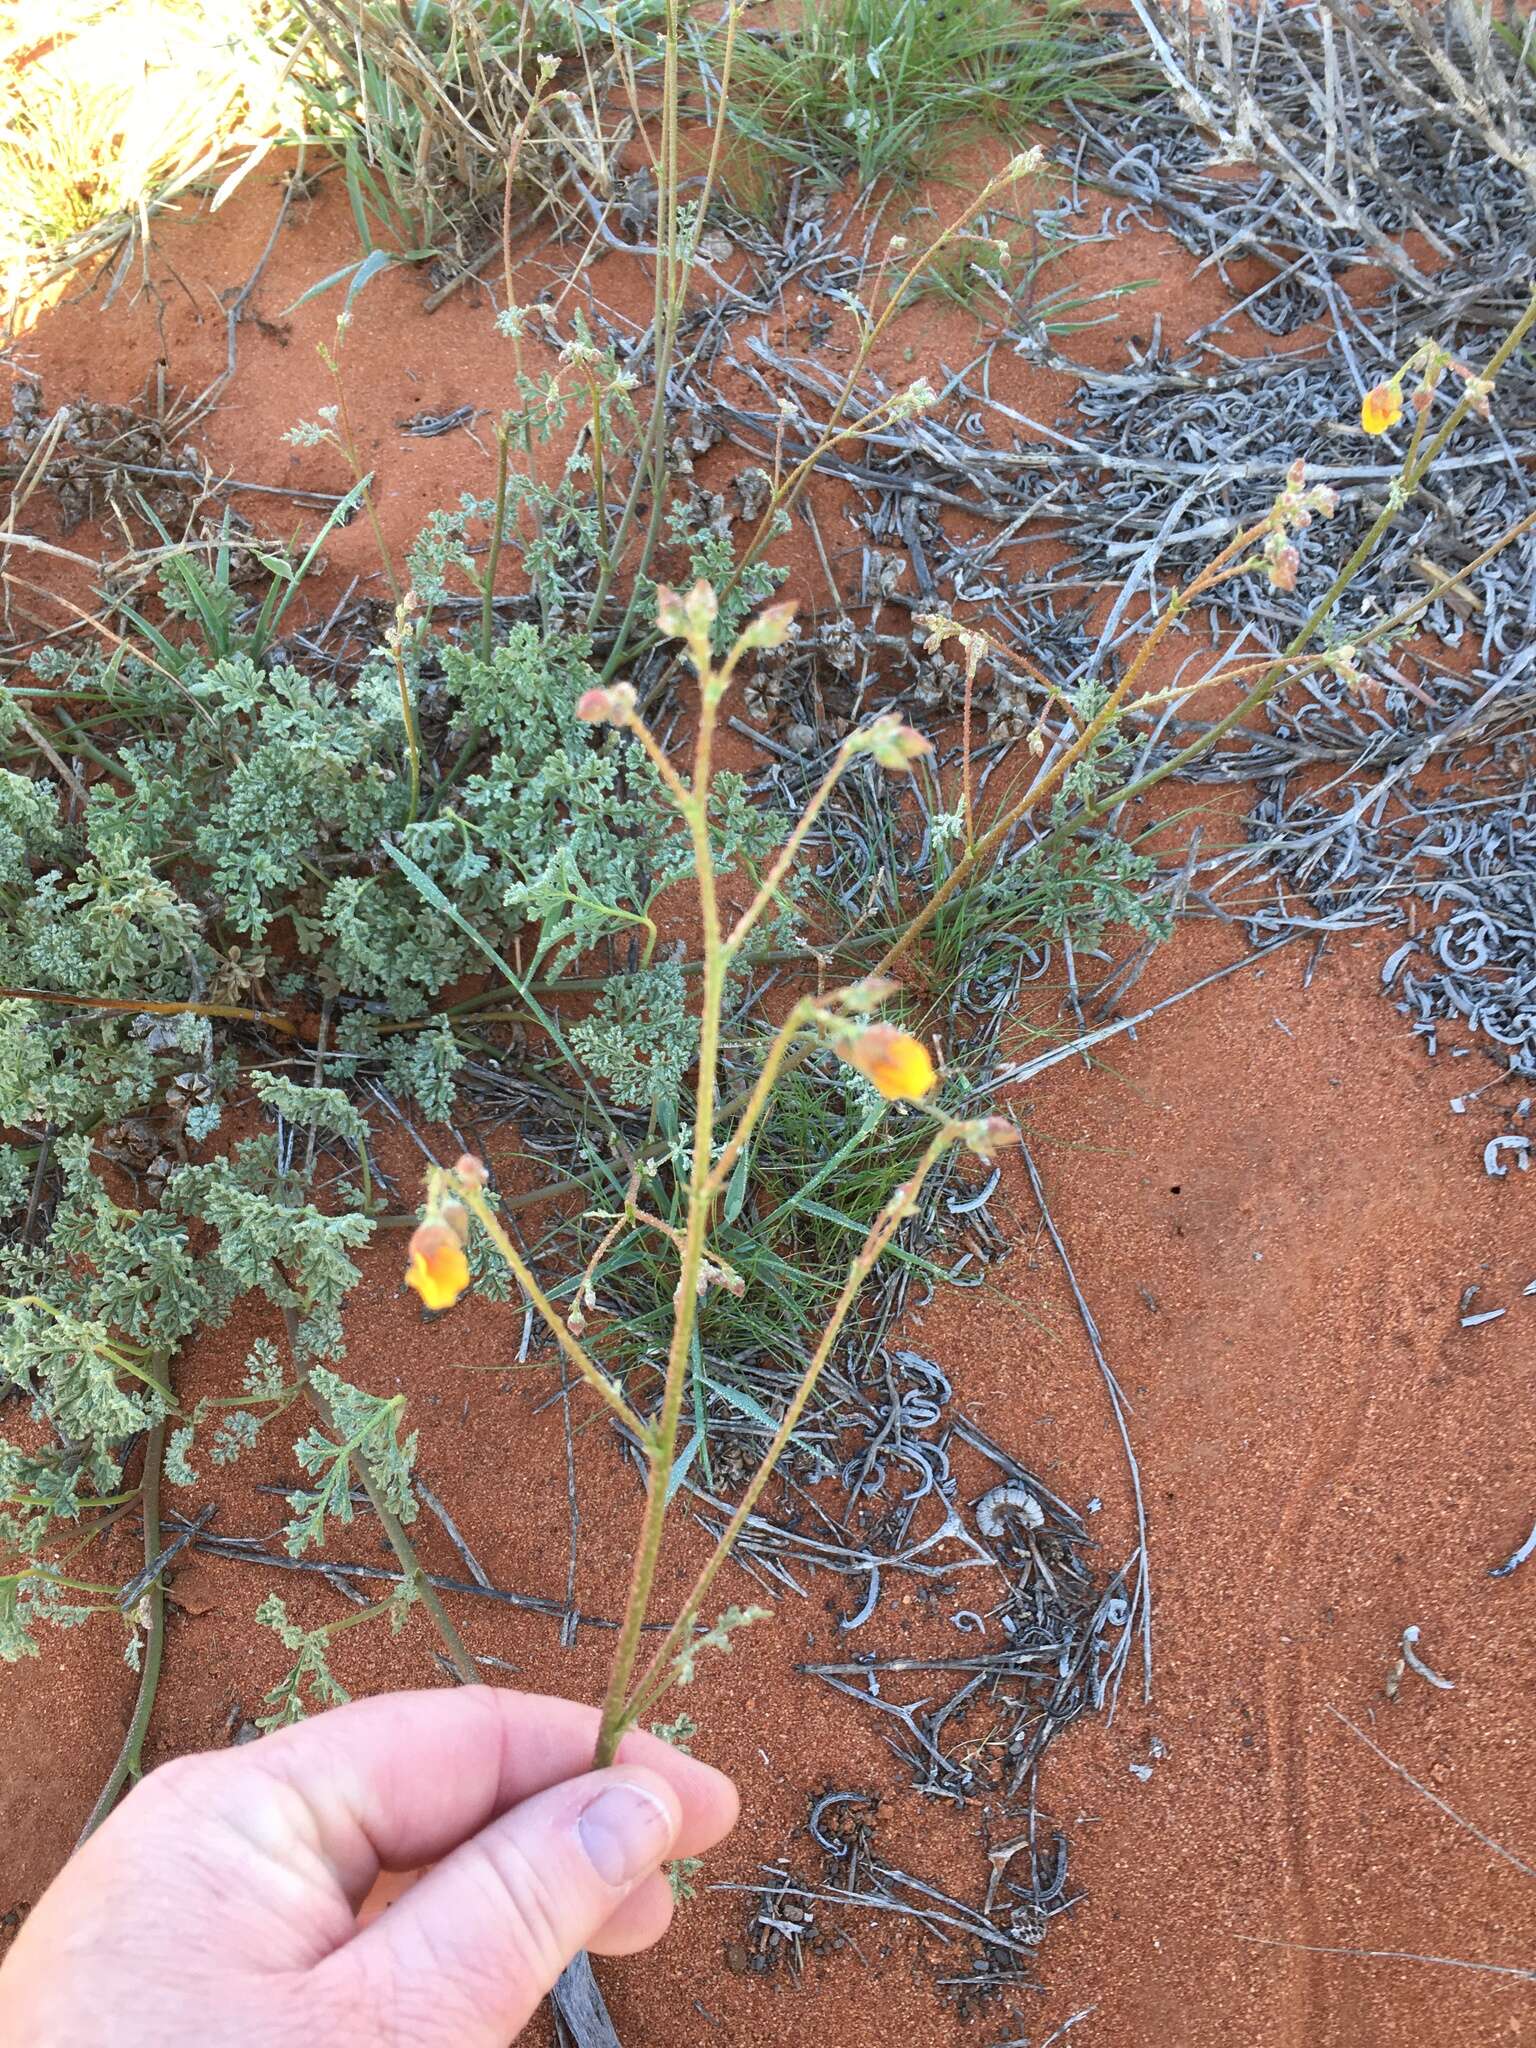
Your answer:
<point x="1367" y="122"/>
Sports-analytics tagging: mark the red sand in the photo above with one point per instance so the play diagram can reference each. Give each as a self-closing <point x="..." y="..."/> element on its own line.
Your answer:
<point x="1327" y="1455"/>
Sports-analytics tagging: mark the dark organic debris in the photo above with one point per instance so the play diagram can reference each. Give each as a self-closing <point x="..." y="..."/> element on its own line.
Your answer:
<point x="806" y="1913"/>
<point x="1041" y="1640"/>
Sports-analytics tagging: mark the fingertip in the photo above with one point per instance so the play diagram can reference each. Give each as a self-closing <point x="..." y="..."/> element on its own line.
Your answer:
<point x="711" y="1803"/>
<point x="725" y="1800"/>
<point x="639" y="1922"/>
<point x="628" y="1822"/>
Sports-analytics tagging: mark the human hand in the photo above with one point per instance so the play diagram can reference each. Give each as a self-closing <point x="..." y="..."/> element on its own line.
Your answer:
<point x="219" y="1903"/>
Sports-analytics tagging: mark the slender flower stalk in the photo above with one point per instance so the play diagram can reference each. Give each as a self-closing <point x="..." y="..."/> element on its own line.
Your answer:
<point x="897" y="1064"/>
<point x="395" y="640"/>
<point x="657" y="1674"/>
<point x="1416" y="465"/>
<point x="894" y="1061"/>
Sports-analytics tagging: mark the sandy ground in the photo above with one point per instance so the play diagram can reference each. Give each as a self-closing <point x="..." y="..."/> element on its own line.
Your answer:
<point x="1273" y="1214"/>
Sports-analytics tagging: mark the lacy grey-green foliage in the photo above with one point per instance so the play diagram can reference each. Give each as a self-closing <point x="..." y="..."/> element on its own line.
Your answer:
<point x="424" y="1064"/>
<point x="640" y="1038"/>
<point x="367" y="1428"/>
<point x="256" y="842"/>
<point x="718" y="1637"/>
<point x="294" y="1254"/>
<point x="18" y="1167"/>
<point x="98" y="1313"/>
<point x="312" y="1107"/>
<point x="310" y="1681"/>
<point x="85" y="1336"/>
<point x="239" y="1426"/>
<point x="273" y="798"/>
<point x="1086" y="883"/>
<point x="309" y="1673"/>
<point x="27" y="1597"/>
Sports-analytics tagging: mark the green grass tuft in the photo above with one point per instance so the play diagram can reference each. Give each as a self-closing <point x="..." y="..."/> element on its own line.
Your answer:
<point x="875" y="86"/>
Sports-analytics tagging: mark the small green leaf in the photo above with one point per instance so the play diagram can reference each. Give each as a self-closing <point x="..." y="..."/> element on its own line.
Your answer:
<point x="736" y="1186"/>
<point x="360" y="273"/>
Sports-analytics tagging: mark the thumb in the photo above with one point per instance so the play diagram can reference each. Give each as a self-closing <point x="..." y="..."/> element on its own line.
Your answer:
<point x="466" y="1956"/>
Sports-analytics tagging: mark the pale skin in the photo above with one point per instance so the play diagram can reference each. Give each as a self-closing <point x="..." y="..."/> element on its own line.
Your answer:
<point x="220" y="1902"/>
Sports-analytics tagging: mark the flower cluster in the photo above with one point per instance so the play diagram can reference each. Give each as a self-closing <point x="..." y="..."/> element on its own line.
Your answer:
<point x="1292" y="512"/>
<point x="1383" y="405"/>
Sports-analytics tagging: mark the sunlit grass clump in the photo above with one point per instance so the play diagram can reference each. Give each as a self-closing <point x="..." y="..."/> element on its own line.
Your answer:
<point x="110" y="109"/>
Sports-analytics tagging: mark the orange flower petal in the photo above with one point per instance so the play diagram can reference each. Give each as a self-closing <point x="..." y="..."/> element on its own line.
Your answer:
<point x="1381" y="408"/>
<point x="899" y="1065"/>
<point x="437" y="1267"/>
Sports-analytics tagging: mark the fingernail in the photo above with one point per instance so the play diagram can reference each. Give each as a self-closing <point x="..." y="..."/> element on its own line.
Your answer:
<point x="625" y="1832"/>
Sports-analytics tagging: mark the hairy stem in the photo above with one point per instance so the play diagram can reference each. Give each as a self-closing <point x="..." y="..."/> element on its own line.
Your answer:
<point x="474" y="1200"/>
<point x="658" y="1672"/>
<point x="785" y="858"/>
<point x="666" y="307"/>
<point x="407" y="711"/>
<point x="663" y="1441"/>
<point x="762" y="1090"/>
<point x="498" y="534"/>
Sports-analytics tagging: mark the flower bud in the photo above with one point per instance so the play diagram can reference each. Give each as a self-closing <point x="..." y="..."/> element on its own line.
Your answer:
<point x="894" y="744"/>
<point x="690" y="617"/>
<point x="771" y="628"/>
<point x="613" y="706"/>
<point x="989" y="1135"/>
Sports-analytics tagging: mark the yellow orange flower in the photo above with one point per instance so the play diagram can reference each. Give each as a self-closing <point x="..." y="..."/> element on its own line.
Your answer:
<point x="1381" y="407"/>
<point x="899" y="1065"/>
<point x="437" y="1269"/>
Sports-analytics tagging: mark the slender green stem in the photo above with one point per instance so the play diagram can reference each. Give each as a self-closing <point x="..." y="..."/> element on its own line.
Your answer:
<point x="663" y="1444"/>
<point x="762" y="1090"/>
<point x="786" y="856"/>
<point x="407" y="711"/>
<point x="553" y="1321"/>
<point x="600" y="474"/>
<point x="666" y="306"/>
<point x="676" y="788"/>
<point x="498" y="535"/>
<point x="130" y="1758"/>
<point x="57" y="1578"/>
<point x="657" y="1673"/>
<point x="833" y="432"/>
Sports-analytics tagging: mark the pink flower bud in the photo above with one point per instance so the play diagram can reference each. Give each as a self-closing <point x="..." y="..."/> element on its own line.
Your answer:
<point x="606" y="707"/>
